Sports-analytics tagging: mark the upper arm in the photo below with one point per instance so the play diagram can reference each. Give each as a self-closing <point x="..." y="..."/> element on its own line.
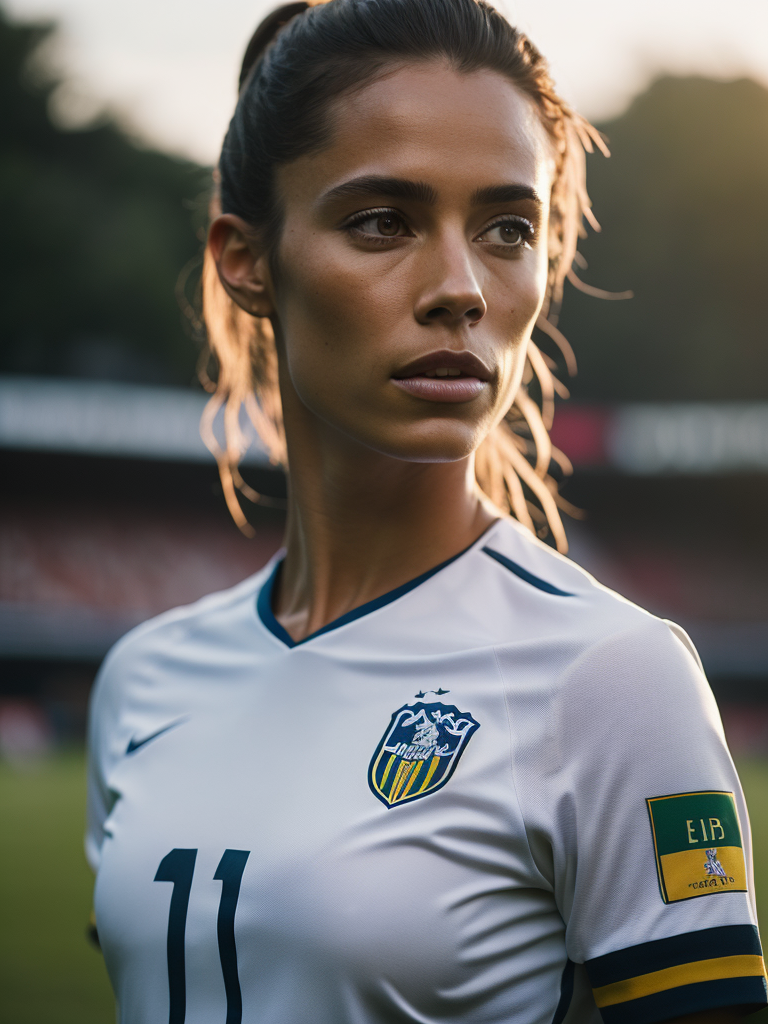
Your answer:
<point x="104" y="713"/>
<point x="663" y="926"/>
<point x="730" y="1015"/>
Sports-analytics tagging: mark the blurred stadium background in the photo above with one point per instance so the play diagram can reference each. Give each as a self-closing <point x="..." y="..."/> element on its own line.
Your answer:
<point x="112" y="510"/>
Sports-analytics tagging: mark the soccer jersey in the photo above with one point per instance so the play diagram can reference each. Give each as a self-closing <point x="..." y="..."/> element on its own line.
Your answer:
<point x="500" y="793"/>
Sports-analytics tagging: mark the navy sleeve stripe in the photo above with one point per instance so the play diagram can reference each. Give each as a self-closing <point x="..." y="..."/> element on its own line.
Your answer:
<point x="675" y="1002"/>
<point x="728" y="940"/>
<point x="523" y="574"/>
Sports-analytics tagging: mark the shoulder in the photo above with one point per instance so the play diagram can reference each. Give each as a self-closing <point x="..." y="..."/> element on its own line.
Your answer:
<point x="206" y="617"/>
<point x="599" y="642"/>
<point x="165" y="648"/>
<point x="528" y="577"/>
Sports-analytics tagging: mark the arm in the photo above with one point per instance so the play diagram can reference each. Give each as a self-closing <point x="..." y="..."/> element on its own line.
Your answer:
<point x="637" y="761"/>
<point x="728" y="1016"/>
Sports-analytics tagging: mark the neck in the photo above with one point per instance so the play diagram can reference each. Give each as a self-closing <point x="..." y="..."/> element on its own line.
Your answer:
<point x="361" y="524"/>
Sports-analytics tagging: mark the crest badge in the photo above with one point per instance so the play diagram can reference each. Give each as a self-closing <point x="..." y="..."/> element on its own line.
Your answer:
<point x="419" y="751"/>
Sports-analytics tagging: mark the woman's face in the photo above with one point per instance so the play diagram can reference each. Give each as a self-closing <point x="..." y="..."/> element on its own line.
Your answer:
<point x="412" y="263"/>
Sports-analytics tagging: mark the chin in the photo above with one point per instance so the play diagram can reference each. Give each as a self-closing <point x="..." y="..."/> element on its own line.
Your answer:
<point x="441" y="442"/>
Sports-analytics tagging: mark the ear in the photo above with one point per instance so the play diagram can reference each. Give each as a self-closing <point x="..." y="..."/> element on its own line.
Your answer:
<point x="242" y="264"/>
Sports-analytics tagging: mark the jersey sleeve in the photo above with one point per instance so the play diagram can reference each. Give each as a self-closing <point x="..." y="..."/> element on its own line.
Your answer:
<point x="102" y="750"/>
<point x="648" y="832"/>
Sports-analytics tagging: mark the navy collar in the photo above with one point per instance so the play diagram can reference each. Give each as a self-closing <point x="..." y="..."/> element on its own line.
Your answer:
<point x="267" y="616"/>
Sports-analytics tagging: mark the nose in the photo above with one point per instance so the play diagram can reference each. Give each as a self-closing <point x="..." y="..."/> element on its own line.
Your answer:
<point x="453" y="297"/>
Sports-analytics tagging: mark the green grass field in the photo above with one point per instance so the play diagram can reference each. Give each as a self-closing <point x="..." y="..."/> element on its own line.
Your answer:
<point x="49" y="973"/>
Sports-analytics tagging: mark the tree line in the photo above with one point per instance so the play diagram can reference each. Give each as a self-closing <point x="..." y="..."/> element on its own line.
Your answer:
<point x="98" y="229"/>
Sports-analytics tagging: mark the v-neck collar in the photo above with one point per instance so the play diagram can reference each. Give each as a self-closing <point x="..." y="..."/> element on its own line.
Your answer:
<point x="267" y="616"/>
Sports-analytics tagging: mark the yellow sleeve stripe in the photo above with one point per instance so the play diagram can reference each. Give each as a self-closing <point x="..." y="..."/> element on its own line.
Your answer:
<point x="745" y="966"/>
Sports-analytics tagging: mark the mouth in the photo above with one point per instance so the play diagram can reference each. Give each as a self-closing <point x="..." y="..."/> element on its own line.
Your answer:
<point x="444" y="376"/>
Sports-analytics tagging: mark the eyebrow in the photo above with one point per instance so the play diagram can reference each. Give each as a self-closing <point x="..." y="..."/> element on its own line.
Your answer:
<point x="394" y="188"/>
<point x="493" y="194"/>
<point x="368" y="186"/>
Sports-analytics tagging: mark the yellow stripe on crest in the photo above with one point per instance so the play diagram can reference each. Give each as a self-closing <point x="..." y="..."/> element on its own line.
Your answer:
<point x="390" y="762"/>
<point x="400" y="777"/>
<point x="431" y="771"/>
<point x="412" y="778"/>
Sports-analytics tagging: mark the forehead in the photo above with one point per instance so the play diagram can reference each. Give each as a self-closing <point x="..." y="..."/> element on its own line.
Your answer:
<point x="456" y="130"/>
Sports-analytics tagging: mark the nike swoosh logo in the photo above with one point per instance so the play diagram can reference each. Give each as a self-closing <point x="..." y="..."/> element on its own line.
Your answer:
<point x="135" y="744"/>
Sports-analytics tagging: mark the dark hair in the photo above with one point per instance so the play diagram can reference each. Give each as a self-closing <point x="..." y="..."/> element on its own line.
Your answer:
<point x="300" y="59"/>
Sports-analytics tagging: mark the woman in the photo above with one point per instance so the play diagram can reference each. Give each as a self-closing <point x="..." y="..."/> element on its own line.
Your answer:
<point x="421" y="767"/>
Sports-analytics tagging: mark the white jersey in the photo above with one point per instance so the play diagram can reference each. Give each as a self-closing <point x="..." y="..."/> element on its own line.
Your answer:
<point x="498" y="794"/>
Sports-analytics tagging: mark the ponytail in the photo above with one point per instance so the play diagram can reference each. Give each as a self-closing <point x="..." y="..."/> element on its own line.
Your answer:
<point x="264" y="35"/>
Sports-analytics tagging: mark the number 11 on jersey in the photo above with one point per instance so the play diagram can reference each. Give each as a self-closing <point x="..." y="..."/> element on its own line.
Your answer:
<point x="178" y="867"/>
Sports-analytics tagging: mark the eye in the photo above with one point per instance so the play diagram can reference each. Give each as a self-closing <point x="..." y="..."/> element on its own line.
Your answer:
<point x="509" y="232"/>
<point x="379" y="224"/>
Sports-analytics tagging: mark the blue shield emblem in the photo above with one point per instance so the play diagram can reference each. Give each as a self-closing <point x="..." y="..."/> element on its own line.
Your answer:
<point x="419" y="751"/>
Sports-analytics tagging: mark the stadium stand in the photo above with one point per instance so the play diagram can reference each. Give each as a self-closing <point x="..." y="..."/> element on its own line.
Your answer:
<point x="114" y="513"/>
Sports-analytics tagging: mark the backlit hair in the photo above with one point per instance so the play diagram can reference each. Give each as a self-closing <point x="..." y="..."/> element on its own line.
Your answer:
<point x="300" y="59"/>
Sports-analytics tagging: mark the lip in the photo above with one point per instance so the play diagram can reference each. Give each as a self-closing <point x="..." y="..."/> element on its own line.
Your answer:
<point x="467" y="362"/>
<point x="444" y="389"/>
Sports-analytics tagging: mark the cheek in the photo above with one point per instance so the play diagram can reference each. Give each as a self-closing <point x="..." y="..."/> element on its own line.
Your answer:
<point x="339" y="319"/>
<point x="314" y="307"/>
<point x="519" y="308"/>
<point x="516" y="316"/>
<point x="536" y="282"/>
<point x="331" y="342"/>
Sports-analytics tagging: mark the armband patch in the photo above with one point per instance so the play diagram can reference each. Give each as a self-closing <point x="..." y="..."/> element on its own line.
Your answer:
<point x="698" y="845"/>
